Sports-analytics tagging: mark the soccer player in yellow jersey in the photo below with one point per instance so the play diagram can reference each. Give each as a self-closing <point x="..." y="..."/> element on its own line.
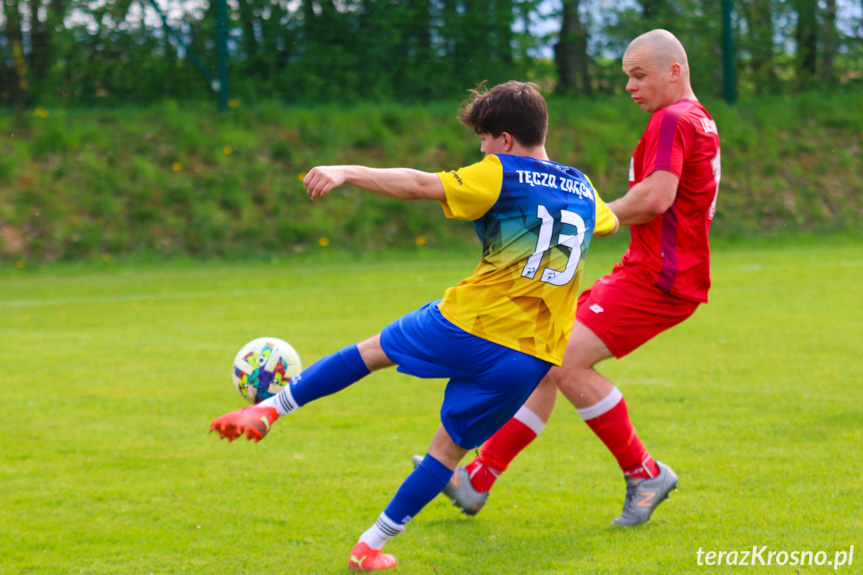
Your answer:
<point x="497" y="333"/>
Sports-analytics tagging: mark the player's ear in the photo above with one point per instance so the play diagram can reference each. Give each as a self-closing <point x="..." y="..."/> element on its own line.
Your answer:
<point x="508" y="141"/>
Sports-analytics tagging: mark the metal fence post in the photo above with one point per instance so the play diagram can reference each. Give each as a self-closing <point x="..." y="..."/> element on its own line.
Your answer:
<point x="730" y="81"/>
<point x="222" y="54"/>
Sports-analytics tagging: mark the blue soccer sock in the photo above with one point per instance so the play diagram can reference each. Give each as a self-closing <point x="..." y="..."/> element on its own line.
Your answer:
<point x="420" y="487"/>
<point x="324" y="377"/>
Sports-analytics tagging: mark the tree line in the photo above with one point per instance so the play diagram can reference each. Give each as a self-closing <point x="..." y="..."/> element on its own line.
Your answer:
<point x="85" y="53"/>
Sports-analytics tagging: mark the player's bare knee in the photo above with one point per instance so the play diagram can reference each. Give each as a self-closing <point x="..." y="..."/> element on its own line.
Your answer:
<point x="373" y="354"/>
<point x="571" y="380"/>
<point x="550" y="380"/>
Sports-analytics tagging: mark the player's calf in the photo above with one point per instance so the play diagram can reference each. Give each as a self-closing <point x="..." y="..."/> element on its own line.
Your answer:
<point x="460" y="491"/>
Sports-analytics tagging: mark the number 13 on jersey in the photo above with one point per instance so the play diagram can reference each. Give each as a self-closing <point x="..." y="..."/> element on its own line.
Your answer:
<point x="543" y="244"/>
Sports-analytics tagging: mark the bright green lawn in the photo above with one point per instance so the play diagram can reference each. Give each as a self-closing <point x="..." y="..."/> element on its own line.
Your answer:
<point x="112" y="373"/>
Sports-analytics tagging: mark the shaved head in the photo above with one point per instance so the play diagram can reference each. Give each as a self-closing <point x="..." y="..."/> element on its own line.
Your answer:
<point x="662" y="47"/>
<point x="658" y="70"/>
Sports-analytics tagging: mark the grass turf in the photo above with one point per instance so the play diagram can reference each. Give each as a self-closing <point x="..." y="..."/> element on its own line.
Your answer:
<point x="113" y="371"/>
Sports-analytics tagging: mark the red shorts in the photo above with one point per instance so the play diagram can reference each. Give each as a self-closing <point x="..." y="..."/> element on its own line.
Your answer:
<point x="625" y="310"/>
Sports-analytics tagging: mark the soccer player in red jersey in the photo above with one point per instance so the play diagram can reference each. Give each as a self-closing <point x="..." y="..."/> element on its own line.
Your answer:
<point x="661" y="280"/>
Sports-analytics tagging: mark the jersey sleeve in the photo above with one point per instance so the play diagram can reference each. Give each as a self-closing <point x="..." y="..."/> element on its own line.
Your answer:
<point x="605" y="219"/>
<point x="666" y="141"/>
<point x="473" y="190"/>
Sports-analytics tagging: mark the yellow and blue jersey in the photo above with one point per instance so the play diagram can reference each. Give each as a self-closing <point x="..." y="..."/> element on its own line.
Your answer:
<point x="535" y="219"/>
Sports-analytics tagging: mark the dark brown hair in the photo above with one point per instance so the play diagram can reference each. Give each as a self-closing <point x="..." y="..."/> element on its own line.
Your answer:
<point x="514" y="107"/>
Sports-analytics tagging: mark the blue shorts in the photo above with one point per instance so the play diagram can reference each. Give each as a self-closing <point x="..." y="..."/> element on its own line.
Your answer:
<point x="488" y="382"/>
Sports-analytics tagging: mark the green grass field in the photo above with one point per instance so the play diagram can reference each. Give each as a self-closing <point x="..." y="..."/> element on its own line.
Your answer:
<point x="113" y="371"/>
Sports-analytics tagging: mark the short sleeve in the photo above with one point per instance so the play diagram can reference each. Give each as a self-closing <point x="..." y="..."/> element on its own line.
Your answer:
<point x="665" y="142"/>
<point x="473" y="190"/>
<point x="605" y="220"/>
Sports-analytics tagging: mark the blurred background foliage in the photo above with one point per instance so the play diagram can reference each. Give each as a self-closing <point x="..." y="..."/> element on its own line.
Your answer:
<point x="112" y="143"/>
<point x="108" y="52"/>
<point x="173" y="180"/>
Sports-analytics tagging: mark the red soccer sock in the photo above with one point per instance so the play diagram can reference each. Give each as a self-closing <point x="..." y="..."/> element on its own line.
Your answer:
<point x="616" y="431"/>
<point x="497" y="453"/>
<point x="482" y="474"/>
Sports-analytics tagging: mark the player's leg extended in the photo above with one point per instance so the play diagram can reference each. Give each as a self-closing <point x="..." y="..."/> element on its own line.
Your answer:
<point x="324" y="377"/>
<point x="424" y="484"/>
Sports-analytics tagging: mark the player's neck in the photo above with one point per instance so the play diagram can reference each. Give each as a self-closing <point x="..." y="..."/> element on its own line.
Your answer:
<point x="688" y="95"/>
<point x="685" y="94"/>
<point x="679" y="98"/>
<point x="537" y="152"/>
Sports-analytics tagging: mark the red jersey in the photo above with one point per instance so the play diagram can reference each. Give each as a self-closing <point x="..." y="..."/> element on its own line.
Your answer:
<point x="673" y="248"/>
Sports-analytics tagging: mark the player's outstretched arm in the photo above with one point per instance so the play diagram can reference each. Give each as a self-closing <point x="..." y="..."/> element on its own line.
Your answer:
<point x="401" y="183"/>
<point x="646" y="199"/>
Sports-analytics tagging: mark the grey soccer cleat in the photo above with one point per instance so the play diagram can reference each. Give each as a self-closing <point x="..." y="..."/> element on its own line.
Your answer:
<point x="459" y="489"/>
<point x="643" y="496"/>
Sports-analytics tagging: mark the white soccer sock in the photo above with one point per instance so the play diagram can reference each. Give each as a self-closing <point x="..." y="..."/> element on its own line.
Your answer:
<point x="604" y="405"/>
<point x="283" y="401"/>
<point x="530" y="419"/>
<point x="382" y="531"/>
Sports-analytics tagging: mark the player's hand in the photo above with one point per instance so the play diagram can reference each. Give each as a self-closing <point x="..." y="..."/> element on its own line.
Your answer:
<point x="252" y="420"/>
<point x="321" y="179"/>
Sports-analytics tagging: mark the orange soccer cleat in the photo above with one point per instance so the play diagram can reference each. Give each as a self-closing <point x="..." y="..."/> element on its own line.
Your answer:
<point x="366" y="559"/>
<point x="253" y="421"/>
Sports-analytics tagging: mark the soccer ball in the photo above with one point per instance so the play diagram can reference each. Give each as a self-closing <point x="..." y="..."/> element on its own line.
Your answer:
<point x="263" y="367"/>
